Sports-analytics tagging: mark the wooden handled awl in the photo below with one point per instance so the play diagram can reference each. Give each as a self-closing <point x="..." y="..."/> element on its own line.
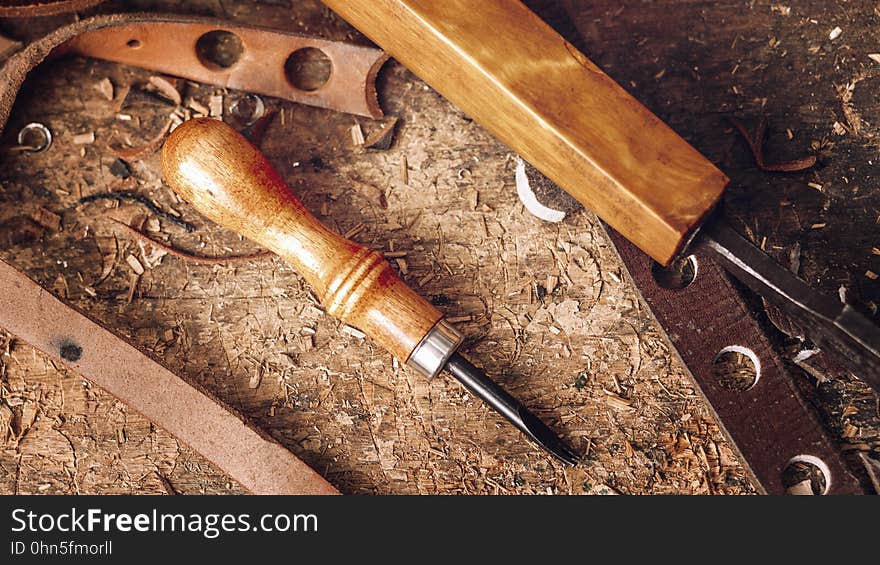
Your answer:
<point x="230" y="181"/>
<point x="518" y="78"/>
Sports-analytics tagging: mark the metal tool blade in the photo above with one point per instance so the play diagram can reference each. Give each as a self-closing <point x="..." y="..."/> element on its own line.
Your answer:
<point x="479" y="384"/>
<point x="831" y="324"/>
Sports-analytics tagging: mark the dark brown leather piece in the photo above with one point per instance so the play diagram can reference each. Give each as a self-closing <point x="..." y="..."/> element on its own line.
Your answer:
<point x="24" y="9"/>
<point x="769" y="423"/>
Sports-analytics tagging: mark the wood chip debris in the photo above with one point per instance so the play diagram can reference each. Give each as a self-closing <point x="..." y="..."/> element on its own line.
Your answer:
<point x="353" y="332"/>
<point x="872" y="466"/>
<point x="105" y="87"/>
<point x="756" y="144"/>
<point x="357" y="135"/>
<point x="133" y="281"/>
<point x="60" y="286"/>
<point x="147" y="149"/>
<point x="165" y="88"/>
<point x="121" y="95"/>
<point x="6" y="417"/>
<point x="257" y="376"/>
<point x="618" y="402"/>
<point x="371" y="192"/>
<point x="404" y="170"/>
<point x="601" y="490"/>
<point x="135" y="265"/>
<point x="781" y="9"/>
<point x="874" y="57"/>
<point x="151" y="255"/>
<point x="215" y="106"/>
<point x="192" y="257"/>
<point x="355" y="230"/>
<point x="85" y="138"/>
<point x="835" y="33"/>
<point x="803" y="488"/>
<point x="48" y="219"/>
<point x="200" y="109"/>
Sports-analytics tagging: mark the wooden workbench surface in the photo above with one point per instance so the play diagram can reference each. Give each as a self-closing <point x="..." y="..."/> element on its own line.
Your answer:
<point x="585" y="354"/>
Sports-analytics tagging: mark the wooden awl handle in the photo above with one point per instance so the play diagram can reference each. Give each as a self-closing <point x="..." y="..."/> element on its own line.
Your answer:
<point x="534" y="91"/>
<point x="230" y="181"/>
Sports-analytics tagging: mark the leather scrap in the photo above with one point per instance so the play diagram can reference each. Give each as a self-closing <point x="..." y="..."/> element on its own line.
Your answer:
<point x="183" y="408"/>
<point x="756" y="145"/>
<point x="351" y="87"/>
<point x="166" y="44"/>
<point x="24" y="9"/>
<point x="769" y="424"/>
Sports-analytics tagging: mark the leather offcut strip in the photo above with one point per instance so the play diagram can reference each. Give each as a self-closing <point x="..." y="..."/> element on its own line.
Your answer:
<point x="769" y="424"/>
<point x="187" y="411"/>
<point x="23" y="9"/>
<point x="351" y="87"/>
<point x="169" y="45"/>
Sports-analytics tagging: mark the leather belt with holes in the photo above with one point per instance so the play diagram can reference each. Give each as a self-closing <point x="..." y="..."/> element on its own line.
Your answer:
<point x="767" y="420"/>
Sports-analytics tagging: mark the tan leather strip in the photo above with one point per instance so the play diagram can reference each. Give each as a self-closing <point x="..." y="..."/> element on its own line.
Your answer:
<point x="351" y="87"/>
<point x="16" y="9"/>
<point x="190" y="413"/>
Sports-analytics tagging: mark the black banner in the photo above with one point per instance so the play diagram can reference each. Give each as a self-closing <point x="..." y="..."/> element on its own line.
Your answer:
<point x="231" y="529"/>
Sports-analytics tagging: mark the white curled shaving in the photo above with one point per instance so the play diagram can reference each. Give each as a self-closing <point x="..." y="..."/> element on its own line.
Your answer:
<point x="530" y="201"/>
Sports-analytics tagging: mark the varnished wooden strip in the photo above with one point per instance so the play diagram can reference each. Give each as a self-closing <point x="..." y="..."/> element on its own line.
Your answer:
<point x="513" y="74"/>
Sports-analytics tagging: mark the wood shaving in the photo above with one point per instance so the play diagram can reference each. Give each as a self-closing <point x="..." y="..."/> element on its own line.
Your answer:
<point x="166" y="89"/>
<point x="215" y="106"/>
<point x="149" y="148"/>
<point x="197" y="107"/>
<point x="47" y="219"/>
<point x="756" y="144"/>
<point x="617" y="402"/>
<point x="357" y="135"/>
<point x="353" y="332"/>
<point x="404" y="170"/>
<point x="135" y="265"/>
<point x="84" y="138"/>
<point x="105" y="87"/>
<point x="371" y="192"/>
